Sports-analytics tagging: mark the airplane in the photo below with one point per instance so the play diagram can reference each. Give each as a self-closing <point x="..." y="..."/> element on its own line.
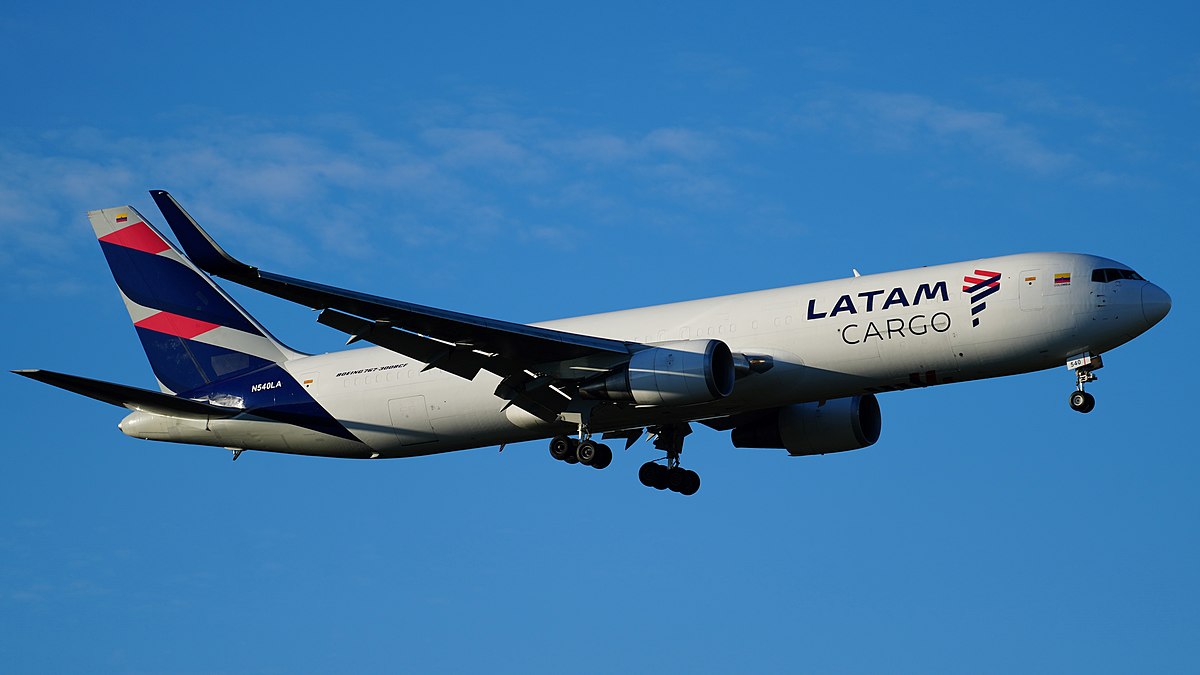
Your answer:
<point x="796" y="368"/>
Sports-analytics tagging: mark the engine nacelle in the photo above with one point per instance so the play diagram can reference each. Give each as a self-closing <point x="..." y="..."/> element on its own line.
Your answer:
<point x="837" y="425"/>
<point x="680" y="372"/>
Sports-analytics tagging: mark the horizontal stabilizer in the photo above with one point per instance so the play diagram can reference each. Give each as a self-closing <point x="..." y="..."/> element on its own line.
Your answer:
<point x="133" y="398"/>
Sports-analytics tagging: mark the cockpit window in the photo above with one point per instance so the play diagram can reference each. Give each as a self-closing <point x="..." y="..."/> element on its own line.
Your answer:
<point x="1107" y="274"/>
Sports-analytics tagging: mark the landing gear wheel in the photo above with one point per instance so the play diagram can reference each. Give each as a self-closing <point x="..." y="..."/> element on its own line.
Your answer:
<point x="653" y="475"/>
<point x="683" y="481"/>
<point x="646" y="474"/>
<point x="562" y="447"/>
<point x="1081" y="401"/>
<point x="586" y="452"/>
<point x="603" y="458"/>
<point x="691" y="483"/>
<point x="676" y="478"/>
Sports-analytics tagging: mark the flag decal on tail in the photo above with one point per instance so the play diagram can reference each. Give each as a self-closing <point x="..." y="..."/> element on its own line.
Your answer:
<point x="980" y="285"/>
<point x="122" y="217"/>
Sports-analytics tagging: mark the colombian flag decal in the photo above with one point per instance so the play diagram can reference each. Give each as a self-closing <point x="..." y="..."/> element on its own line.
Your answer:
<point x="122" y="217"/>
<point x="1062" y="279"/>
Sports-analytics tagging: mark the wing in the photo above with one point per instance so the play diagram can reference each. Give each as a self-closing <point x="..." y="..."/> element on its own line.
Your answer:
<point x="541" y="367"/>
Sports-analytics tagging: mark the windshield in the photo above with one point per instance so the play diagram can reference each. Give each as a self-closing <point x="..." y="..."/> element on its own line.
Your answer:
<point x="1107" y="274"/>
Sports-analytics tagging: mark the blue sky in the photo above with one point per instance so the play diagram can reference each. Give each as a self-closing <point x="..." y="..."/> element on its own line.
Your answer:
<point x="540" y="161"/>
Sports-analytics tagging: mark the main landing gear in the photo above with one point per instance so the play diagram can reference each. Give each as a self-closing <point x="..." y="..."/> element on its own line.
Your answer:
<point x="671" y="476"/>
<point x="586" y="452"/>
<point x="1084" y="366"/>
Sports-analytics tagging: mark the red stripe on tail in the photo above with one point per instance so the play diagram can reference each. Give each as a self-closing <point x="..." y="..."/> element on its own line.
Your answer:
<point x="173" y="324"/>
<point x="137" y="236"/>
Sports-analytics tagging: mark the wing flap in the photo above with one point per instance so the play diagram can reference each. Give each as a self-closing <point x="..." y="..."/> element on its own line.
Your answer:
<point x="458" y="359"/>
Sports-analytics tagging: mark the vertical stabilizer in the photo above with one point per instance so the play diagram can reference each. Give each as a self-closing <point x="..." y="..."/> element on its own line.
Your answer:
<point x="192" y="331"/>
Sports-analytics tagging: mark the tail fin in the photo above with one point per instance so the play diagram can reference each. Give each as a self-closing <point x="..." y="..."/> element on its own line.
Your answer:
<point x="192" y="331"/>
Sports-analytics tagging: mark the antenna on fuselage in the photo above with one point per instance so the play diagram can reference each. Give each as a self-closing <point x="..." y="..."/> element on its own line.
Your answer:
<point x="856" y="274"/>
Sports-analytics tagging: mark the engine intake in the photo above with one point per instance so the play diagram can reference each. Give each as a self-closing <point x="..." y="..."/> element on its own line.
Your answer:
<point x="819" y="428"/>
<point x="670" y="373"/>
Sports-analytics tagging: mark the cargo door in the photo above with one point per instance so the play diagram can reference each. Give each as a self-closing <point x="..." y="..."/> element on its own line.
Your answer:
<point x="410" y="420"/>
<point x="1033" y="284"/>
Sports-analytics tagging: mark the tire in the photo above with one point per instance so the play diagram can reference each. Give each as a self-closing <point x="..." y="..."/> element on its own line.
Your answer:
<point x="647" y="474"/>
<point x="586" y="452"/>
<point x="604" y="457"/>
<point x="676" y="478"/>
<point x="660" y="477"/>
<point x="1078" y="400"/>
<point x="1089" y="405"/>
<point x="691" y="483"/>
<point x="653" y="475"/>
<point x="562" y="447"/>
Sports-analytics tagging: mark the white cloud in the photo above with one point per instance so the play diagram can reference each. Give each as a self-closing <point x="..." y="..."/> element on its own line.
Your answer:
<point x="1039" y="98"/>
<point x="282" y="193"/>
<point x="909" y="122"/>
<point x="682" y="143"/>
<point x="489" y="148"/>
<point x="598" y="147"/>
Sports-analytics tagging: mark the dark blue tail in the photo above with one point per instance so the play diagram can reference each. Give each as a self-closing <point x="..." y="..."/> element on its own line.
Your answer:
<point x="193" y="333"/>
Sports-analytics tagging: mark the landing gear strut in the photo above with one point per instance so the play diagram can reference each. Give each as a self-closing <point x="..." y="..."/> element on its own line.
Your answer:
<point x="1084" y="366"/>
<point x="671" y="476"/>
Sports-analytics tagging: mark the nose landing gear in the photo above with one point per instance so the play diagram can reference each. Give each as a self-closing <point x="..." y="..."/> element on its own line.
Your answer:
<point x="1084" y="366"/>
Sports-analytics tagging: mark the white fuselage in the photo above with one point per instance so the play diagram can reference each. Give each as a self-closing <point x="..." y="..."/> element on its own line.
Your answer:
<point x="874" y="333"/>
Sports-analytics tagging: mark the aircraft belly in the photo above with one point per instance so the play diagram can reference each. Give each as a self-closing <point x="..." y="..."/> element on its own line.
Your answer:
<point x="250" y="434"/>
<point x="286" y="438"/>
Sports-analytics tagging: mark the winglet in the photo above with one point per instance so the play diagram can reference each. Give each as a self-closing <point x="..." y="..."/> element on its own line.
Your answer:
<point x="198" y="245"/>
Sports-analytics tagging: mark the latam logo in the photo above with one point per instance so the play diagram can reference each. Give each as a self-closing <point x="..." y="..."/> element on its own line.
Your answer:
<point x="981" y="285"/>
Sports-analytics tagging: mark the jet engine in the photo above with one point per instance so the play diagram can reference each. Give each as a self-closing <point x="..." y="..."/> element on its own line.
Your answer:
<point x="818" y="428"/>
<point x="679" y="372"/>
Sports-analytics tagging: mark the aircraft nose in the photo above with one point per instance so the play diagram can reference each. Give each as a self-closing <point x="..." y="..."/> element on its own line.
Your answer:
<point x="1155" y="303"/>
